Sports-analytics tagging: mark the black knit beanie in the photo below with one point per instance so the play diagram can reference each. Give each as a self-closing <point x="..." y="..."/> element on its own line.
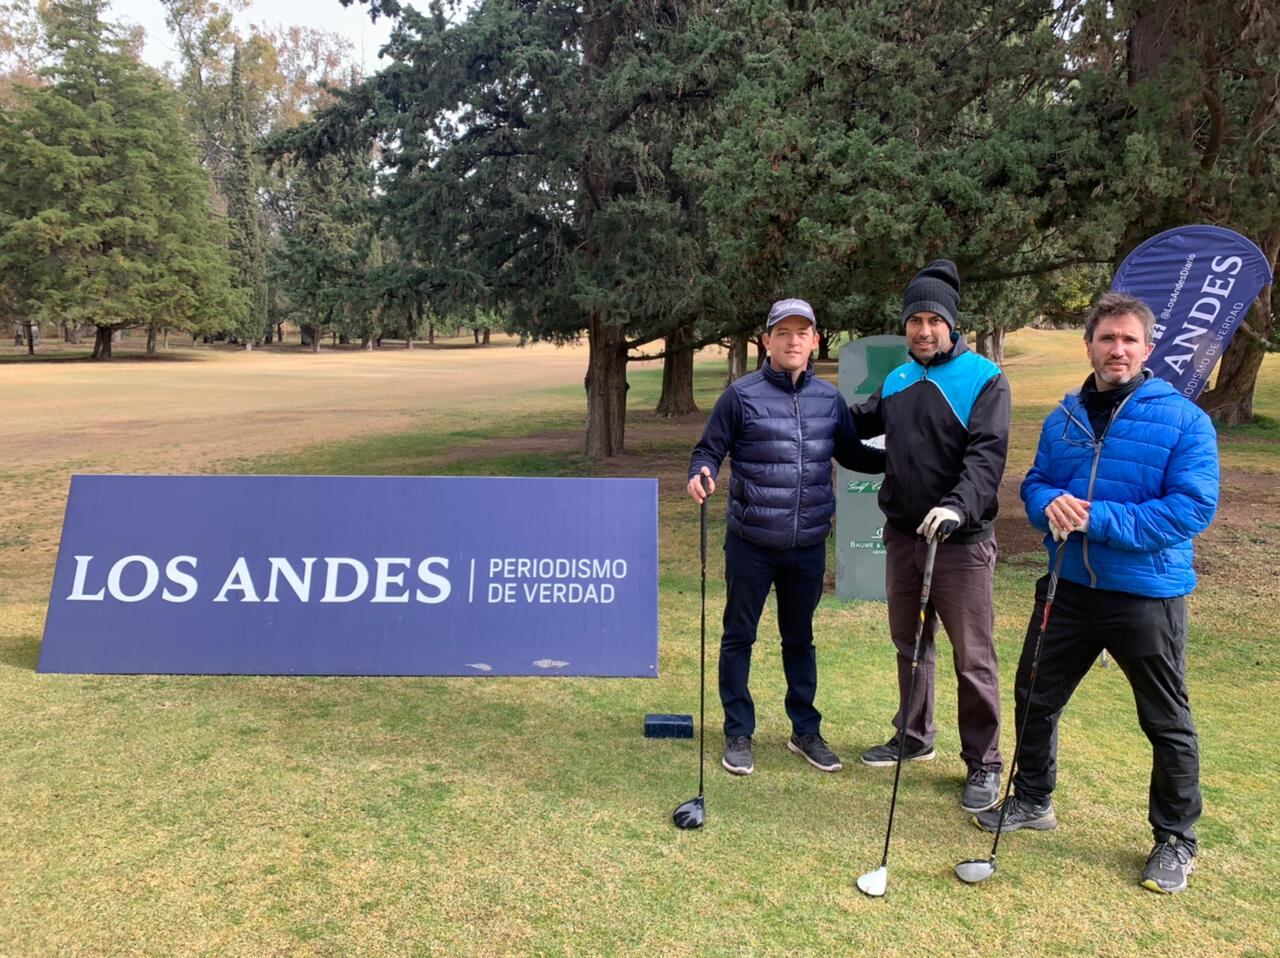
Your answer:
<point x="935" y="289"/>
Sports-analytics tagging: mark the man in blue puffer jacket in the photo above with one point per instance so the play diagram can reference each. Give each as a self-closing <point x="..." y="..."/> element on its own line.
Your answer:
<point x="782" y="426"/>
<point x="1125" y="476"/>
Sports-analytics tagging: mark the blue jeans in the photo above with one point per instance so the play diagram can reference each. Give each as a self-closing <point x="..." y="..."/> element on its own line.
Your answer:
<point x="797" y="575"/>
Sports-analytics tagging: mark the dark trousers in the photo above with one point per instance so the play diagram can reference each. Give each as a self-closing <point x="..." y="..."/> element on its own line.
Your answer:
<point x="959" y="595"/>
<point x="797" y="576"/>
<point x="1148" y="640"/>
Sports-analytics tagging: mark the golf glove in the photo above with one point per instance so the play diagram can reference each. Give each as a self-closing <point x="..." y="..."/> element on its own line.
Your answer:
<point x="1061" y="535"/>
<point x="939" y="523"/>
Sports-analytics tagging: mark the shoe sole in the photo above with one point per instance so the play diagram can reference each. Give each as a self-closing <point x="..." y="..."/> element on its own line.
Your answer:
<point x="737" y="769"/>
<point x="1152" y="885"/>
<point x="974" y="809"/>
<point x="838" y="766"/>
<point x="1039" y="825"/>
<point x="928" y="756"/>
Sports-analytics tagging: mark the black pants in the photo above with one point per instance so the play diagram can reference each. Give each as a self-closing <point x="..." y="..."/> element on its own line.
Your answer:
<point x="1148" y="640"/>
<point x="749" y="572"/>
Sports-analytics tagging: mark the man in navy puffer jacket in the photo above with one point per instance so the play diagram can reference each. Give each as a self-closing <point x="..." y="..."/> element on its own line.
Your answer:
<point x="1125" y="476"/>
<point x="782" y="426"/>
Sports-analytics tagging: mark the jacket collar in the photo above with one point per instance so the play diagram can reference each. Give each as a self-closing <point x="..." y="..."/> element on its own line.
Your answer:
<point x="782" y="379"/>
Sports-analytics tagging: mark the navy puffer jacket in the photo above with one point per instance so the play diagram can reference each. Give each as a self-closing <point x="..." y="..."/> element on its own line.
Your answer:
<point x="781" y="437"/>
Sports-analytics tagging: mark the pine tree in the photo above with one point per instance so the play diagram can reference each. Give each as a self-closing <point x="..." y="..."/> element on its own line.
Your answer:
<point x="244" y="216"/>
<point x="107" y="217"/>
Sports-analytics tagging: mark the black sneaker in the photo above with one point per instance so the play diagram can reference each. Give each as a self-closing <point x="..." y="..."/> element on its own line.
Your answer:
<point x="1168" y="866"/>
<point x="1022" y="814"/>
<point x="815" y="752"/>
<point x="887" y="754"/>
<point x="982" y="791"/>
<point x="737" y="755"/>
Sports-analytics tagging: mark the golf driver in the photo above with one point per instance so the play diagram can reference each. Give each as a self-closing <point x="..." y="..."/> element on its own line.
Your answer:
<point x="693" y="813"/>
<point x="875" y="883"/>
<point x="975" y="870"/>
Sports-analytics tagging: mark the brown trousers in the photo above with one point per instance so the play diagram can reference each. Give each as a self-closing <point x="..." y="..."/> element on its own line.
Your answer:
<point x="959" y="595"/>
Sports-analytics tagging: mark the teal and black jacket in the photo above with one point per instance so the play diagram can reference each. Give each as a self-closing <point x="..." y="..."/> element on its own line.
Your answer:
<point x="946" y="430"/>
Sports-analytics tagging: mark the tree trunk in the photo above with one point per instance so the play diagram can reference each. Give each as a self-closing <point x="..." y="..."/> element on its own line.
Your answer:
<point x="484" y="341"/>
<point x="824" y="346"/>
<point x="280" y="333"/>
<point x="737" y="358"/>
<point x="151" y="340"/>
<point x="677" y="376"/>
<point x="606" y="384"/>
<point x="102" y="342"/>
<point x="1230" y="401"/>
<point x="991" y="343"/>
<point x="431" y="334"/>
<point x="761" y="354"/>
<point x="19" y="334"/>
<point x="31" y="339"/>
<point x="475" y="333"/>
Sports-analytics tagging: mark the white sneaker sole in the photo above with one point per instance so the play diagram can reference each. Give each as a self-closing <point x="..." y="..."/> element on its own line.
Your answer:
<point x="928" y="756"/>
<point x="838" y="766"/>
<point x="974" y="809"/>
<point x="737" y="769"/>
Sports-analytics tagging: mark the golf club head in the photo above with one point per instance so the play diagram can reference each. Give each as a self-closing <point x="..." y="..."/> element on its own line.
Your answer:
<point x="690" y="814"/>
<point x="975" y="870"/>
<point x="874" y="883"/>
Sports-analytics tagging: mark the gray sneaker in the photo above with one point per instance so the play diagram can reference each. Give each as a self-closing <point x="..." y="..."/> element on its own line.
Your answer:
<point x="1168" y="866"/>
<point x="887" y="754"/>
<point x="737" y="755"/>
<point x="815" y="751"/>
<point x="981" y="791"/>
<point x="1022" y="814"/>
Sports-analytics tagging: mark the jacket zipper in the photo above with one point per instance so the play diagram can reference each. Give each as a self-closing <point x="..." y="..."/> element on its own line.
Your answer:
<point x="795" y="524"/>
<point x="1093" y="475"/>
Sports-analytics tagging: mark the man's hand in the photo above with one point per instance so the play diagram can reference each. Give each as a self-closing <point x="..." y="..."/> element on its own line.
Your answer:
<point x="1066" y="515"/>
<point x="695" y="488"/>
<point x="939" y="523"/>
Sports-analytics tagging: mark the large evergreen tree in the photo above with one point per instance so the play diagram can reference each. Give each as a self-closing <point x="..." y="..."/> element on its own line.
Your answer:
<point x="527" y="167"/>
<point x="244" y="216"/>
<point x="104" y="212"/>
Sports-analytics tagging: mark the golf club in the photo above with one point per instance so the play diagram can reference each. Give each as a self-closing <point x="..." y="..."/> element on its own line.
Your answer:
<point x="875" y="883"/>
<point x="693" y="813"/>
<point x="975" y="870"/>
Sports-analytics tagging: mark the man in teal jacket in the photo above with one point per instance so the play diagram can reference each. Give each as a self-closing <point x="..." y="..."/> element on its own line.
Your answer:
<point x="944" y="414"/>
<point x="1125" y="476"/>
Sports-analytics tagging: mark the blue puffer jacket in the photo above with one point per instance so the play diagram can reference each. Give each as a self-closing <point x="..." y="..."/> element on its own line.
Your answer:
<point x="1154" y="488"/>
<point x="781" y="437"/>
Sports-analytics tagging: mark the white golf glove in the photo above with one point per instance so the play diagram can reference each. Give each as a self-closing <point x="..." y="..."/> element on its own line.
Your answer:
<point x="1061" y="535"/>
<point x="939" y="523"/>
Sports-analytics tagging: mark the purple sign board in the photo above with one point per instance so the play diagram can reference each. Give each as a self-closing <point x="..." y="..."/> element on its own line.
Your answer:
<point x="1199" y="281"/>
<point x="325" y="575"/>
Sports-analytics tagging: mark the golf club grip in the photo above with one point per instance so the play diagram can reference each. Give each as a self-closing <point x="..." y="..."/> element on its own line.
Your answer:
<point x="703" y="522"/>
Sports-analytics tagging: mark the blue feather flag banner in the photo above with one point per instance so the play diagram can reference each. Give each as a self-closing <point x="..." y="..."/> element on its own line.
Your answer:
<point x="1200" y="282"/>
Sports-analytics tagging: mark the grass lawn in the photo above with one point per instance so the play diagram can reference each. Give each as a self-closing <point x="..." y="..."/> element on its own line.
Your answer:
<point x="487" y="816"/>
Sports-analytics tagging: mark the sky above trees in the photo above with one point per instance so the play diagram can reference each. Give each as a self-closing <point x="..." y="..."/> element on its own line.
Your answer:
<point x="352" y="23"/>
